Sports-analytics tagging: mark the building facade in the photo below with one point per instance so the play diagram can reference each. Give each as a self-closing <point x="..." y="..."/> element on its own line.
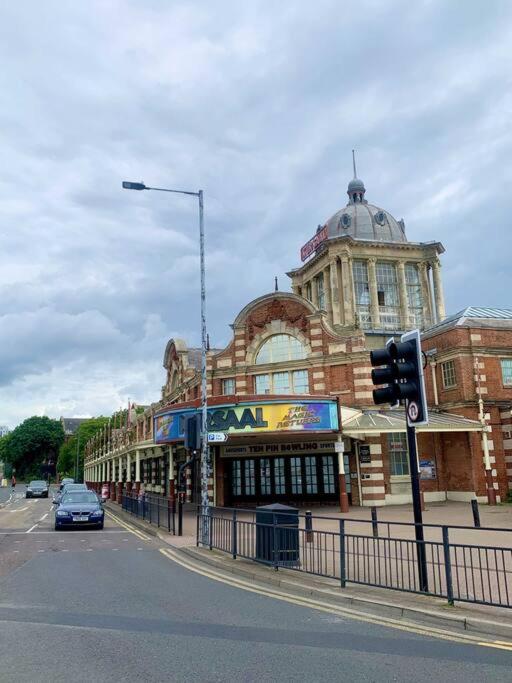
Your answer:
<point x="291" y="393"/>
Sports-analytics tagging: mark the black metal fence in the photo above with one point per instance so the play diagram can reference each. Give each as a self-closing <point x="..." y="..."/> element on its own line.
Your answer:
<point x="151" y="508"/>
<point x="462" y="565"/>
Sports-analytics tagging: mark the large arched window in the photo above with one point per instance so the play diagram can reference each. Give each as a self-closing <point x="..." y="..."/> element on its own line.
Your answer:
<point x="279" y="348"/>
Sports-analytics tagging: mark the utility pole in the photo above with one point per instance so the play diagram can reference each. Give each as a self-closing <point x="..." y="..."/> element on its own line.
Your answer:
<point x="77" y="455"/>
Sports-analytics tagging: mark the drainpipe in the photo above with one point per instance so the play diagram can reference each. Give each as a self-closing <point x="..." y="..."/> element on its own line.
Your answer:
<point x="433" y="365"/>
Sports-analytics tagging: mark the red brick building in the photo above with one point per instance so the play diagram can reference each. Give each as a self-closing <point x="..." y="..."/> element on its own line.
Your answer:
<point x="295" y="357"/>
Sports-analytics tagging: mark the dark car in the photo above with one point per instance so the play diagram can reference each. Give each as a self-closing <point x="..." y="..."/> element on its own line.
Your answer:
<point x="79" y="509"/>
<point x="67" y="488"/>
<point x="37" y="489"/>
<point x="66" y="480"/>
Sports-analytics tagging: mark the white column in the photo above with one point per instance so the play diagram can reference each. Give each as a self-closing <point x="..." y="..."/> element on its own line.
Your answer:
<point x="335" y="293"/>
<point x="112" y="471"/>
<point x="128" y="467"/>
<point x="374" y="297"/>
<point x="426" y="295"/>
<point x="314" y="292"/>
<point x="137" y="466"/>
<point x="347" y="297"/>
<point x="402" y="291"/>
<point x="438" y="290"/>
<point x="327" y="292"/>
<point x="120" y="474"/>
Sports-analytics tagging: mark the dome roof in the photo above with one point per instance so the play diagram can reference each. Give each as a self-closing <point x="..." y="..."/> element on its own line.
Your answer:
<point x="364" y="221"/>
<point x="356" y="185"/>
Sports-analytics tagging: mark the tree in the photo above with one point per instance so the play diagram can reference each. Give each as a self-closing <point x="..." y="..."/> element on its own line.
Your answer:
<point x="34" y="442"/>
<point x="66" y="464"/>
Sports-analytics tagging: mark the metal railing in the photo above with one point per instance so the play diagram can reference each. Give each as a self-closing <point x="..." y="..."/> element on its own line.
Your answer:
<point x="153" y="509"/>
<point x="371" y="552"/>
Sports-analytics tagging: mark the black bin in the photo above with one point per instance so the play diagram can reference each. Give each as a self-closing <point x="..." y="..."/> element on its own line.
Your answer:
<point x="280" y="540"/>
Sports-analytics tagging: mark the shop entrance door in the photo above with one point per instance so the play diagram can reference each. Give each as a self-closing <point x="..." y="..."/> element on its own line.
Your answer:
<point x="293" y="479"/>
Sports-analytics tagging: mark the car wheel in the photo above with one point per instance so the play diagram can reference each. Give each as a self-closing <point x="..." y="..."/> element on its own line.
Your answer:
<point x="100" y="526"/>
<point x="57" y="527"/>
<point x="26" y="495"/>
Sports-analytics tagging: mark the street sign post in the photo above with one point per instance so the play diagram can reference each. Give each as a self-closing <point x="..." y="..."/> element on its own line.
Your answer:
<point x="217" y="437"/>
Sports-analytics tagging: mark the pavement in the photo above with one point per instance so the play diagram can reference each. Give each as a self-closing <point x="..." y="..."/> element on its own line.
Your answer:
<point x="90" y="605"/>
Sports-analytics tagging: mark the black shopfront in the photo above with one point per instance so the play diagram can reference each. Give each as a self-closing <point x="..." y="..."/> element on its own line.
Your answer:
<point x="293" y="473"/>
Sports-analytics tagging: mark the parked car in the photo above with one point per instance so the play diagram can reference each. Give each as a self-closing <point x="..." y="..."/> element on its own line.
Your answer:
<point x="68" y="488"/>
<point x="37" y="489"/>
<point x="79" y="509"/>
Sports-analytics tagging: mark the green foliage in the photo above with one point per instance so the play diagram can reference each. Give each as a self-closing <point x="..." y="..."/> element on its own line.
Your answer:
<point x="34" y="441"/>
<point x="67" y="456"/>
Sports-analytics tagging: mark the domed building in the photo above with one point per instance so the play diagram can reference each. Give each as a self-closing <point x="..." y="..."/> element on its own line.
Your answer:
<point x="361" y="269"/>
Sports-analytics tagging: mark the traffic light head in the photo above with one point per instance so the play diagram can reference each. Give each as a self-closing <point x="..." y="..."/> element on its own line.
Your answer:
<point x="399" y="367"/>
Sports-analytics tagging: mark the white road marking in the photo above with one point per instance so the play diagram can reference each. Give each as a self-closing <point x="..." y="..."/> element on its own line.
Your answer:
<point x="31" y="528"/>
<point x="40" y="551"/>
<point x="115" y="548"/>
<point x="15" y="551"/>
<point x="18" y="509"/>
<point x="43" y="517"/>
<point x="88" y="550"/>
<point x="65" y="550"/>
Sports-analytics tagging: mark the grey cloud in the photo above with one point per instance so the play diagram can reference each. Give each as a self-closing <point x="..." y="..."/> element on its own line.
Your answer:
<point x="258" y="104"/>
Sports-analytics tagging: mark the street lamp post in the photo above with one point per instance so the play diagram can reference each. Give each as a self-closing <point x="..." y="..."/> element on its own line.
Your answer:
<point x="205" y="453"/>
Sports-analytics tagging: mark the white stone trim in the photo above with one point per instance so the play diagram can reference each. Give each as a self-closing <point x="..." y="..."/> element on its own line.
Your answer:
<point x="373" y="463"/>
<point x="320" y="386"/>
<point x="318" y="375"/>
<point x="507" y="443"/>
<point x="362" y="371"/>
<point x="316" y="342"/>
<point x="373" y="489"/>
<point x="337" y="348"/>
<point x="363" y="394"/>
<point x="362" y="383"/>
<point x="224" y="363"/>
<point x="476" y="337"/>
<point x="375" y="449"/>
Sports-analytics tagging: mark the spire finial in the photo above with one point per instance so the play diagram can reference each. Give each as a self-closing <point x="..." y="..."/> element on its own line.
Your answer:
<point x="354" y="162"/>
<point x="276" y="288"/>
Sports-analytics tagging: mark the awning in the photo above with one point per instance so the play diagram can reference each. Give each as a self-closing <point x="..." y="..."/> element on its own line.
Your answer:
<point x="383" y="421"/>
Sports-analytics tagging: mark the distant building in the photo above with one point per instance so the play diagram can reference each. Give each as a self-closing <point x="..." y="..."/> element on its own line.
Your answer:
<point x="4" y="430"/>
<point x="70" y="425"/>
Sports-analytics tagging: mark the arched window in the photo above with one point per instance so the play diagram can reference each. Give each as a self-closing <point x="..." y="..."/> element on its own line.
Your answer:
<point x="279" y="348"/>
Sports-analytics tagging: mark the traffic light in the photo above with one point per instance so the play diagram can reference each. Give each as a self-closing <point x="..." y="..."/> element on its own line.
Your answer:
<point x="399" y="367"/>
<point x="193" y="432"/>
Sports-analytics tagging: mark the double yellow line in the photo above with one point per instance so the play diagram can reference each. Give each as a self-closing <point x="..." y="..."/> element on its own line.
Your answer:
<point x="128" y="527"/>
<point x="329" y="609"/>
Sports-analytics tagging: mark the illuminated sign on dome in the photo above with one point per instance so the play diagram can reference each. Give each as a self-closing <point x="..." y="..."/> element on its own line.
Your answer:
<point x="314" y="242"/>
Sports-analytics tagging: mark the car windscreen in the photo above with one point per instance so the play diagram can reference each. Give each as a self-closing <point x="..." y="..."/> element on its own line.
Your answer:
<point x="75" y="487"/>
<point x="37" y="483"/>
<point x="80" y="497"/>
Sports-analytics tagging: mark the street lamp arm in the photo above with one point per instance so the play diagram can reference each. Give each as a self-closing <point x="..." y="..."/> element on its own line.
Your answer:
<point x="163" y="189"/>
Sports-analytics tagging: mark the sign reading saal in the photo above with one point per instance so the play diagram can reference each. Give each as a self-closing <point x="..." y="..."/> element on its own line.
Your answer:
<point x="253" y="418"/>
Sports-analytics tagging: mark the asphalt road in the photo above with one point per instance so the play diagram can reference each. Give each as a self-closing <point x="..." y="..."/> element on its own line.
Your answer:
<point x="104" y="605"/>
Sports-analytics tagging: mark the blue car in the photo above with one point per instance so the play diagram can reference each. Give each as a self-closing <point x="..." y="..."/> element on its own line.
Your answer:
<point x="79" y="509"/>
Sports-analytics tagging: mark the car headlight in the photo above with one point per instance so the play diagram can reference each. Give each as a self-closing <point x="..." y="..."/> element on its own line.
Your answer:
<point x="29" y="489"/>
<point x="97" y="513"/>
<point x="62" y="513"/>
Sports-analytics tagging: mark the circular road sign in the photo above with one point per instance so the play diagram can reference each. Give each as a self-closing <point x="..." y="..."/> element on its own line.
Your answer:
<point x="413" y="411"/>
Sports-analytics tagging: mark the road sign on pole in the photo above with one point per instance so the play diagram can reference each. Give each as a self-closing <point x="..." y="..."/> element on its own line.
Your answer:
<point x="217" y="437"/>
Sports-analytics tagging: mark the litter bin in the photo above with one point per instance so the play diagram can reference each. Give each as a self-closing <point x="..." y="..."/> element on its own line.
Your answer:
<point x="277" y="542"/>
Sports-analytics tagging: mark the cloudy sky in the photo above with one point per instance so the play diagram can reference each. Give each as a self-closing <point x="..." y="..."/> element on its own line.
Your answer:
<point x="259" y="103"/>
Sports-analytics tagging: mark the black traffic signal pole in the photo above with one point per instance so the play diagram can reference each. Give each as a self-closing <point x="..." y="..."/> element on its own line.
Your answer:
<point x="416" y="505"/>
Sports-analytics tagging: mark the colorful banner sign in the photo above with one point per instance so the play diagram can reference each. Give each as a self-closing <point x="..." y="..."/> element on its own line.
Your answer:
<point x="253" y="418"/>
